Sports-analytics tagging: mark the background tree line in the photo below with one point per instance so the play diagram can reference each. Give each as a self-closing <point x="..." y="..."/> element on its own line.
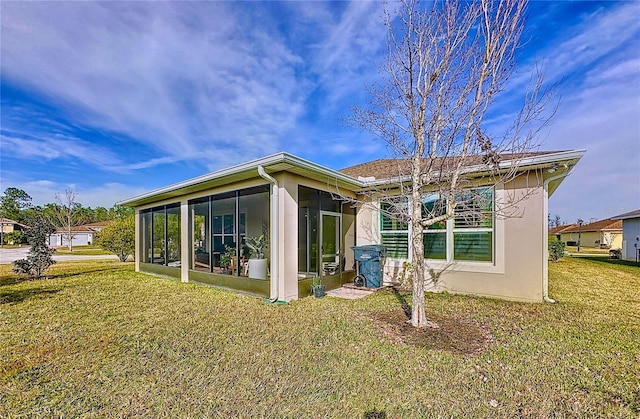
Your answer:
<point x="118" y="236"/>
<point x="15" y="204"/>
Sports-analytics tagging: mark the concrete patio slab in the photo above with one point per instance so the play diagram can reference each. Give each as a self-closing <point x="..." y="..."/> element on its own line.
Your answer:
<point x="349" y="293"/>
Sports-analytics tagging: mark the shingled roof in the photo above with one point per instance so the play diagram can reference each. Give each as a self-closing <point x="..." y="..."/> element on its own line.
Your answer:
<point x="601" y="225"/>
<point x="561" y="229"/>
<point x="16" y="225"/>
<point x="85" y="228"/>
<point x="631" y="214"/>
<point x="392" y="168"/>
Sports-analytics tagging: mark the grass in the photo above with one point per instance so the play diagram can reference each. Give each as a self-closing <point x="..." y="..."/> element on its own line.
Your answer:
<point x="587" y="250"/>
<point x="89" y="250"/>
<point x="97" y="339"/>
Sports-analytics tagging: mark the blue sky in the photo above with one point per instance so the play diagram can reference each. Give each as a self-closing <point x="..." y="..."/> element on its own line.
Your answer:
<point x="114" y="99"/>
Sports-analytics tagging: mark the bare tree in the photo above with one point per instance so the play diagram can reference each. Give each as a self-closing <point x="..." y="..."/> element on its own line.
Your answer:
<point x="68" y="215"/>
<point x="557" y="221"/>
<point x="446" y="64"/>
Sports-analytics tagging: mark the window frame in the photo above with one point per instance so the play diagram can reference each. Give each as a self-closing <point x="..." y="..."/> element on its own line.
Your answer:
<point x="450" y="229"/>
<point x="234" y="229"/>
<point x="148" y="221"/>
<point x="394" y="232"/>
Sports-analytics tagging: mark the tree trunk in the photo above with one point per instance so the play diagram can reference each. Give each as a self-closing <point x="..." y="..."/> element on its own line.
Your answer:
<point x="69" y="241"/>
<point x="418" y="315"/>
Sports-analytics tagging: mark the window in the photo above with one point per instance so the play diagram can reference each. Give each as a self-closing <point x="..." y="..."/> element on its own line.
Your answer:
<point x="322" y="233"/>
<point x="220" y="224"/>
<point x="159" y="238"/>
<point x="435" y="236"/>
<point x="394" y="232"/>
<point x="470" y="230"/>
<point x="473" y="226"/>
<point x="199" y="210"/>
<point x="147" y="236"/>
<point x="161" y="235"/>
<point x="173" y="236"/>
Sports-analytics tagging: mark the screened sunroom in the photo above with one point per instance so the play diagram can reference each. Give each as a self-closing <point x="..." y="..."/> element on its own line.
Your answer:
<point x="222" y="229"/>
<point x="267" y="228"/>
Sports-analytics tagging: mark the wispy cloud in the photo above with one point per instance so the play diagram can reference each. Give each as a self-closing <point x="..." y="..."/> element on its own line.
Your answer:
<point x="56" y="147"/>
<point x="596" y="35"/>
<point x="599" y="112"/>
<point x="352" y="47"/>
<point x="179" y="79"/>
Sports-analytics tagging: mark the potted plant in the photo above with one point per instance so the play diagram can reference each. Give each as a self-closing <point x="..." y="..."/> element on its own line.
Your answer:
<point x="317" y="287"/>
<point x="258" y="264"/>
<point x="225" y="258"/>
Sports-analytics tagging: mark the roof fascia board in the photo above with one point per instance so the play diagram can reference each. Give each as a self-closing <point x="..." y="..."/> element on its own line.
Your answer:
<point x="322" y="170"/>
<point x="524" y="164"/>
<point x="633" y="214"/>
<point x="278" y="158"/>
<point x="315" y="169"/>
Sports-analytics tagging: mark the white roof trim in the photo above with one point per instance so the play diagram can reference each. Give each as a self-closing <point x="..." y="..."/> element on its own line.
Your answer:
<point x="283" y="157"/>
<point x="271" y="160"/>
<point x="627" y="215"/>
<point x="543" y="159"/>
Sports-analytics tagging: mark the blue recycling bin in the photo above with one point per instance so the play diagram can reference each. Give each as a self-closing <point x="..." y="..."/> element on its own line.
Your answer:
<point x="370" y="259"/>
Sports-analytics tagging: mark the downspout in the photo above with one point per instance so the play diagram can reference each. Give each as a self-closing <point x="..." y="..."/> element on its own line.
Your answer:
<point x="275" y="227"/>
<point x="545" y="291"/>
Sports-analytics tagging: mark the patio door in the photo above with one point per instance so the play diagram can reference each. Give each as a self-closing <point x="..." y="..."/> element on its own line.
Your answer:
<point x="330" y="239"/>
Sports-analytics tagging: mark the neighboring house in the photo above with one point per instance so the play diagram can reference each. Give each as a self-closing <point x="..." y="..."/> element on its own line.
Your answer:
<point x="557" y="231"/>
<point x="630" y="235"/>
<point x="9" y="226"/>
<point x="82" y="235"/>
<point x="313" y="215"/>
<point x="605" y="234"/>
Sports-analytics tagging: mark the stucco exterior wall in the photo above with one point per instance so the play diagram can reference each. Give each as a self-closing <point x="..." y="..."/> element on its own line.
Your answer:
<point x="631" y="242"/>
<point x="288" y="237"/>
<point x="519" y="268"/>
<point x="7" y="228"/>
<point x="616" y="240"/>
<point x="520" y="261"/>
<point x="79" y="239"/>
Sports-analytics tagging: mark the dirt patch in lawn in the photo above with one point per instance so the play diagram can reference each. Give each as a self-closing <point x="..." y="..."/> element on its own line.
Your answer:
<point x="452" y="334"/>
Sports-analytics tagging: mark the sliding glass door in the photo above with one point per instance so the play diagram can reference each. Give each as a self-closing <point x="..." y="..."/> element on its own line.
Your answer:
<point x="330" y="238"/>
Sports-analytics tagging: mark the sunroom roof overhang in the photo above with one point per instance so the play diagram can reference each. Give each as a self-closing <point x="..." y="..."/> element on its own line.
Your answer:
<point x="280" y="162"/>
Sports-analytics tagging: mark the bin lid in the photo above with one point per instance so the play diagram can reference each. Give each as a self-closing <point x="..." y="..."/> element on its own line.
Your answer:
<point x="381" y="249"/>
<point x="370" y="247"/>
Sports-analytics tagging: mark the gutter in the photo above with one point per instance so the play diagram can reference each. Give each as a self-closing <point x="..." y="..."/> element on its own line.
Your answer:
<point x="275" y="160"/>
<point x="275" y="227"/>
<point x="545" y="290"/>
<point x="523" y="164"/>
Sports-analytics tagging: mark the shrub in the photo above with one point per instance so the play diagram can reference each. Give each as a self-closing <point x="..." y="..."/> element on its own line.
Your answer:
<point x="119" y="237"/>
<point x="556" y="250"/>
<point x="14" y="237"/>
<point x="39" y="257"/>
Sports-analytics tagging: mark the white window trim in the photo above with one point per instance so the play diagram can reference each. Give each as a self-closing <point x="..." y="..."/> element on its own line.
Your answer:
<point x="377" y="214"/>
<point x="498" y="229"/>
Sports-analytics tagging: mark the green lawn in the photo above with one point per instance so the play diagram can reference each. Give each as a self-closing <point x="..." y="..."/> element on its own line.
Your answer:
<point x="99" y="340"/>
<point x="587" y="250"/>
<point x="90" y="250"/>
